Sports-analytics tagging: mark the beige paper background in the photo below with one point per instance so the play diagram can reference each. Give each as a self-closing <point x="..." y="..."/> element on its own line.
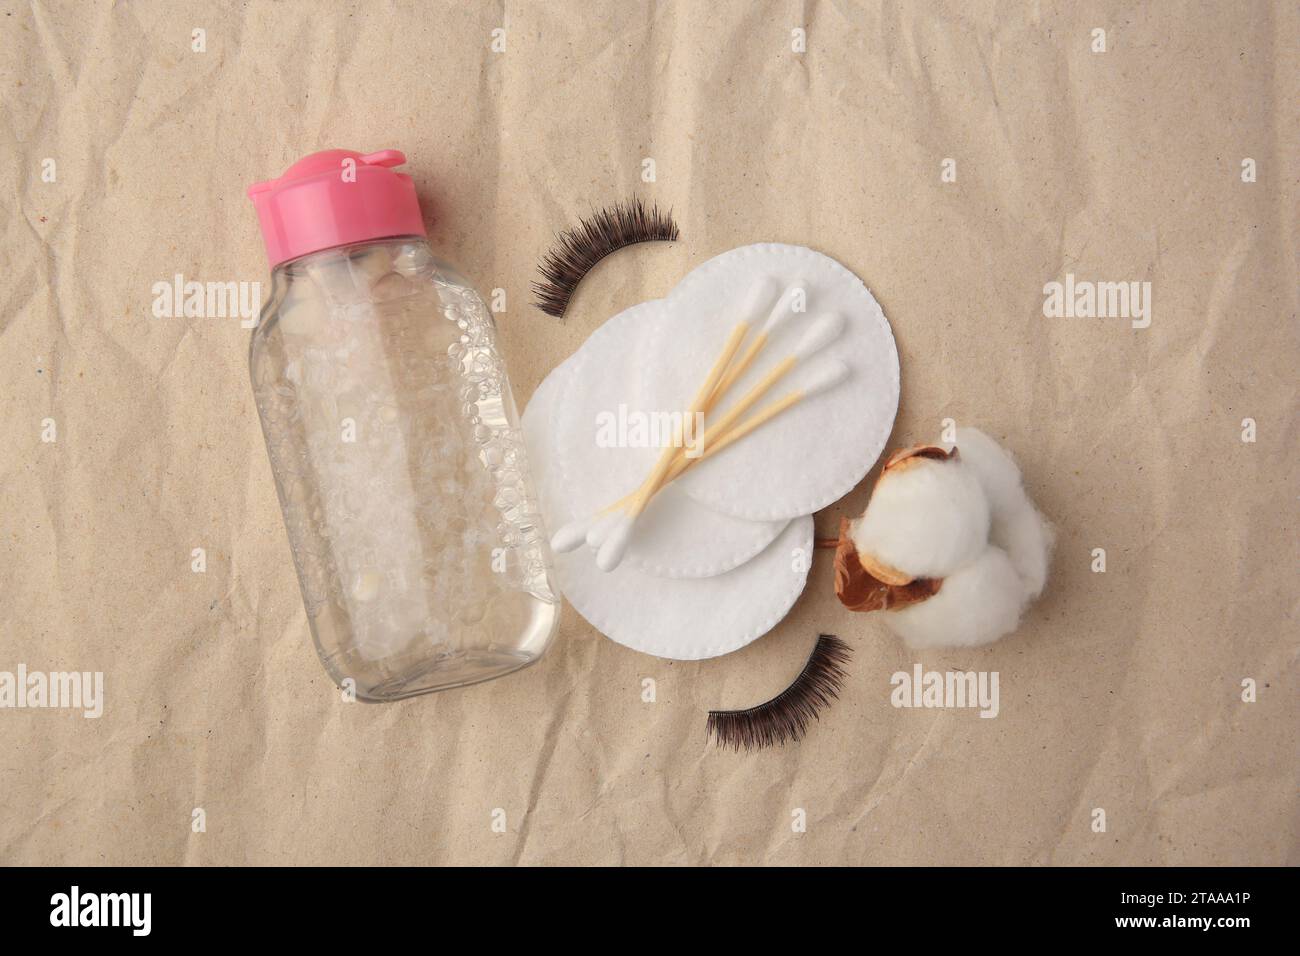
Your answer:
<point x="1121" y="690"/>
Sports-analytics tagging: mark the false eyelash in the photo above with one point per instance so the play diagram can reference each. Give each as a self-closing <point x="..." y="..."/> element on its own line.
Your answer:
<point x="787" y="715"/>
<point x="578" y="249"/>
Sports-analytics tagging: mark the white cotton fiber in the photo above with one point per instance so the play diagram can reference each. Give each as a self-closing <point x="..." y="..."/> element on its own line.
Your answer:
<point x="928" y="518"/>
<point x="1016" y="525"/>
<point x="990" y="545"/>
<point x="1027" y="540"/>
<point x="976" y="605"/>
<point x="994" y="469"/>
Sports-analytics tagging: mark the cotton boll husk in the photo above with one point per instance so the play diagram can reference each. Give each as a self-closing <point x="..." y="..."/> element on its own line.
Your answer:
<point x="974" y="606"/>
<point x="1016" y="525"/>
<point x="927" y="519"/>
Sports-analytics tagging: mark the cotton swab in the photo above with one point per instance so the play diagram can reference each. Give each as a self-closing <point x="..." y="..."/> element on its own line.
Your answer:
<point x="598" y="529"/>
<point x="821" y="333"/>
<point x="823" y="380"/>
<point x="783" y="308"/>
<point x="576" y="532"/>
<point x="605" y="521"/>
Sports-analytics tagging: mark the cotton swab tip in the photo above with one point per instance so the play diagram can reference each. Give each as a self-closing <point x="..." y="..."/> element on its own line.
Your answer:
<point x="758" y="298"/>
<point x="796" y="292"/>
<point x="821" y="332"/>
<point x="615" y="545"/>
<point x="825" y="377"/>
<point x="600" y="528"/>
<point x="570" y="536"/>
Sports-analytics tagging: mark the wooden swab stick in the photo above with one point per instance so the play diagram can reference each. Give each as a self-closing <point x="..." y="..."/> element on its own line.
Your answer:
<point x="783" y="308"/>
<point x="612" y="533"/>
<point x="629" y="503"/>
<point x="822" y="332"/>
<point x="697" y="407"/>
<point x="575" y="532"/>
<point x="832" y="375"/>
<point x="599" y="528"/>
<point x="760" y="294"/>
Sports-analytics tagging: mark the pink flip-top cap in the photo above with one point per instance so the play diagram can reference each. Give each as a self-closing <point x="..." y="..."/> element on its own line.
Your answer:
<point x="333" y="198"/>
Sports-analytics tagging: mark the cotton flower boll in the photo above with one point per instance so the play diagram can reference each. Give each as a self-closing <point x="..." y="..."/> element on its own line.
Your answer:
<point x="1016" y="526"/>
<point x="974" y="606"/>
<point x="927" y="518"/>
<point x="950" y="549"/>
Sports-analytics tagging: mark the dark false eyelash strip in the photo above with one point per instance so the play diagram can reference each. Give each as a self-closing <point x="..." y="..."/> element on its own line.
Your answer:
<point x="576" y="250"/>
<point x="786" y="716"/>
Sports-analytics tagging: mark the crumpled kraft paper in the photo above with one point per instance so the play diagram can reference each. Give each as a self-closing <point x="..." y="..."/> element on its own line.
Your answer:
<point x="957" y="157"/>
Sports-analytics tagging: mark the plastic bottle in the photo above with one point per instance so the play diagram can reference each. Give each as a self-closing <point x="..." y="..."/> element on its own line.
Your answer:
<point x="394" y="440"/>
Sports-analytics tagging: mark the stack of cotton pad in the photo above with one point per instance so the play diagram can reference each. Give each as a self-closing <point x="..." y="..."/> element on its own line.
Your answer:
<point x="721" y="554"/>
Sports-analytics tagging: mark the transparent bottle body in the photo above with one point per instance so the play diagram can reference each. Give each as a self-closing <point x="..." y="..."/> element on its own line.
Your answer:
<point x="401" y="472"/>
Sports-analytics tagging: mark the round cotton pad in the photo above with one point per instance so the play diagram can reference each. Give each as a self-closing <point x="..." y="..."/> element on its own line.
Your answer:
<point x="683" y="619"/>
<point x="607" y="440"/>
<point x="814" y="453"/>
